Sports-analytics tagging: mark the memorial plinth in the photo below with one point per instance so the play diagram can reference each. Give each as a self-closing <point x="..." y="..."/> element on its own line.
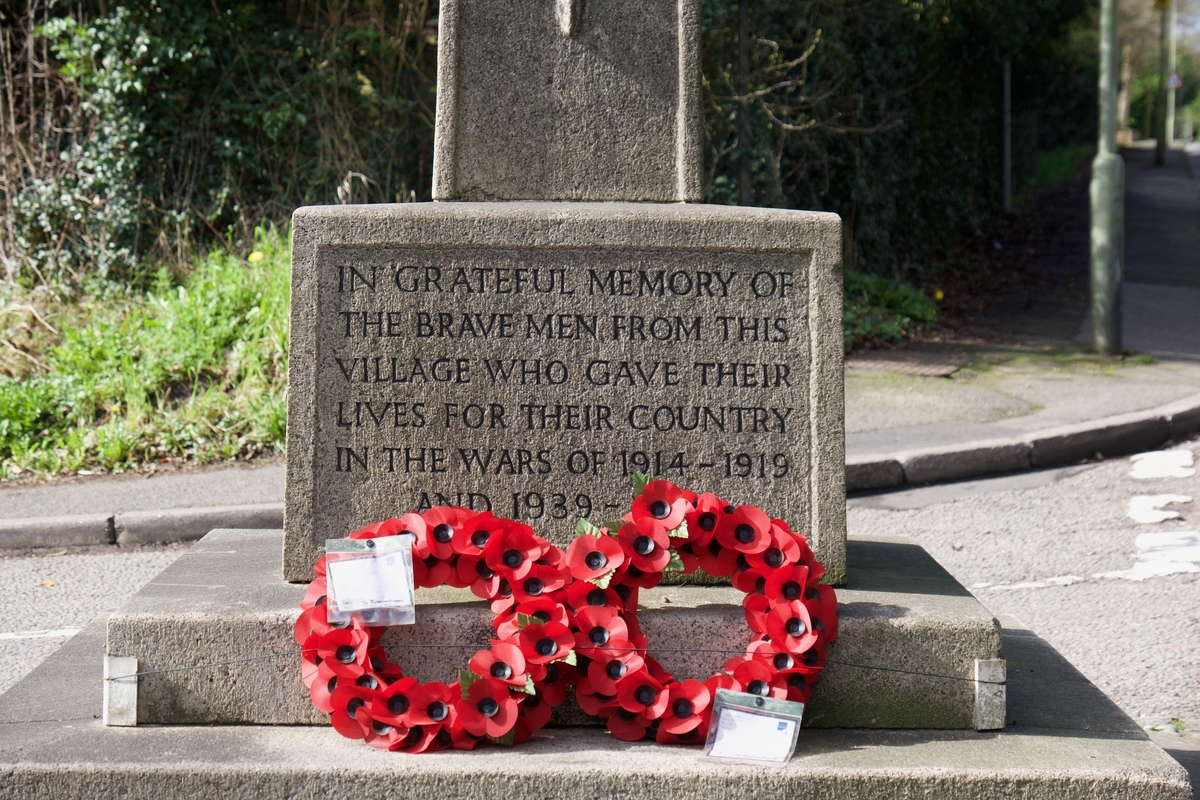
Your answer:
<point x="223" y="602"/>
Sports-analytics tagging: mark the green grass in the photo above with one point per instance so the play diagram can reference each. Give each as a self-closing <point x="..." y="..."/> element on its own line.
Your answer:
<point x="1052" y="167"/>
<point x="190" y="371"/>
<point x="880" y="313"/>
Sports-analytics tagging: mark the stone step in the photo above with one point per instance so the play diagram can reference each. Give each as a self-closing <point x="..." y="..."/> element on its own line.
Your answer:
<point x="909" y="639"/>
<point x="1065" y="741"/>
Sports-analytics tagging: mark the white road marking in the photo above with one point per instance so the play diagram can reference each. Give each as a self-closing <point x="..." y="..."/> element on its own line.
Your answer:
<point x="1169" y="553"/>
<point x="1147" y="509"/>
<point x="39" y="634"/>
<point x="1057" y="580"/>
<point x="1162" y="464"/>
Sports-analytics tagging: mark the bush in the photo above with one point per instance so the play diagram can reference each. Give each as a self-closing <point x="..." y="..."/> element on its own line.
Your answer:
<point x="879" y="312"/>
<point x="182" y="124"/>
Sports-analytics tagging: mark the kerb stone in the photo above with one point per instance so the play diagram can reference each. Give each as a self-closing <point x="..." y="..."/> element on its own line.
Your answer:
<point x="528" y="358"/>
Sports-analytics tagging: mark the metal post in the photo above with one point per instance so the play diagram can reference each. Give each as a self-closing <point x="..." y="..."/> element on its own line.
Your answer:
<point x="1006" y="144"/>
<point x="1160" y="143"/>
<point x="1107" y="199"/>
<point x="745" y="185"/>
<point x="1172" y="66"/>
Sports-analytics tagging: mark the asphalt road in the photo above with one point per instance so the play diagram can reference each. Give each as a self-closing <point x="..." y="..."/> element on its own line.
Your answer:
<point x="1057" y="549"/>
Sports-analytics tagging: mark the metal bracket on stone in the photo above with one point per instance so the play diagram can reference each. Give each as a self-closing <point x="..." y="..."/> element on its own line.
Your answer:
<point x="569" y="12"/>
<point x="120" y="691"/>
<point x="991" y="694"/>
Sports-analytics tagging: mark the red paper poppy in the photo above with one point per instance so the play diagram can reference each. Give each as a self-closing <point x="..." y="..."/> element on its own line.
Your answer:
<point x="351" y="704"/>
<point x="389" y="527"/>
<point x="593" y="702"/>
<point x="697" y="735"/>
<point x="750" y="581"/>
<point x="475" y="574"/>
<point x="512" y="551"/>
<point x="552" y="685"/>
<point x="488" y="709"/>
<point x="383" y="736"/>
<point x="414" y="523"/>
<point x="504" y="663"/>
<point x="544" y="609"/>
<point x="790" y="627"/>
<point x="394" y="704"/>
<point x="702" y="520"/>
<point x="787" y="584"/>
<point x="582" y="594"/>
<point x="772" y="655"/>
<point x="756" y="678"/>
<point x="540" y="580"/>
<point x="542" y="644"/>
<point x="535" y="710"/>
<point x="685" y="708"/>
<point x="322" y="688"/>
<point x="591" y="557"/>
<point x="433" y="703"/>
<point x="747" y="530"/>
<point x="440" y="525"/>
<point x="646" y="545"/>
<point x="662" y="504"/>
<point x="345" y="651"/>
<point x="613" y="662"/>
<point x="435" y="572"/>
<point x="470" y="539"/>
<point x="756" y="607"/>
<point x="627" y="726"/>
<point x="503" y="600"/>
<point x="823" y="610"/>
<point x="642" y="694"/>
<point x="315" y="595"/>
<point x="597" y="626"/>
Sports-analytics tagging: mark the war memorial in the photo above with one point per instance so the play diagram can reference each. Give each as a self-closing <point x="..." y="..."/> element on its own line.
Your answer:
<point x="563" y="315"/>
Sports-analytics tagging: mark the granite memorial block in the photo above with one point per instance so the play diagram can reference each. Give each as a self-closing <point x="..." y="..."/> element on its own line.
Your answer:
<point x="529" y="358"/>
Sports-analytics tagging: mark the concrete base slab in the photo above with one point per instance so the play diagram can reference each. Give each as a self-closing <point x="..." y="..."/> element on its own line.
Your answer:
<point x="224" y="602"/>
<point x="1065" y="741"/>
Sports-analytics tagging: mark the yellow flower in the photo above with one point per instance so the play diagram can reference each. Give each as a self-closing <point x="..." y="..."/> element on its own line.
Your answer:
<point x="257" y="256"/>
<point x="938" y="295"/>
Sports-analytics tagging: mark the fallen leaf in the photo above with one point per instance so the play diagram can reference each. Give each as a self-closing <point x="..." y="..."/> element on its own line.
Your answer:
<point x="48" y="583"/>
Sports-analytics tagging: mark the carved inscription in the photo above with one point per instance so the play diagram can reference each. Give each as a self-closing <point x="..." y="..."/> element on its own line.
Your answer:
<point x="535" y="383"/>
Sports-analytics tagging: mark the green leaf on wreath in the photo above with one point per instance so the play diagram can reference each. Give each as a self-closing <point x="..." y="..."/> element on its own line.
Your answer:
<point x="507" y="740"/>
<point x="604" y="580"/>
<point x="465" y="679"/>
<point x="571" y="659"/>
<point x="526" y="619"/>
<point x="640" y="479"/>
<point x="528" y="688"/>
<point x="681" y="532"/>
<point x="675" y="564"/>
<point x="614" y="526"/>
<point x="585" y="528"/>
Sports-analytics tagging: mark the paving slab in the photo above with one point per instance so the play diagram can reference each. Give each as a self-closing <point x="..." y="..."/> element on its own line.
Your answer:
<point x="1065" y="741"/>
<point x="223" y="601"/>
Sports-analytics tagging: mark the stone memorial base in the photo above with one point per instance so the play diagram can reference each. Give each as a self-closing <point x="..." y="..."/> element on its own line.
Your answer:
<point x="1065" y="740"/>
<point x="224" y="600"/>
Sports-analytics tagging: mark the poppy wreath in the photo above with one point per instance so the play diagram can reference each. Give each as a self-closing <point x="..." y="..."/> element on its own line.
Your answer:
<point x="571" y="620"/>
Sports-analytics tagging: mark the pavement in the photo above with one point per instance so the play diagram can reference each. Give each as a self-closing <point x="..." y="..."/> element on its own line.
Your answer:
<point x="1027" y="396"/>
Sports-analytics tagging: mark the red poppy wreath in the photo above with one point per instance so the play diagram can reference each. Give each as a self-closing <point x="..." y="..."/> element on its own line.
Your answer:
<point x="571" y="619"/>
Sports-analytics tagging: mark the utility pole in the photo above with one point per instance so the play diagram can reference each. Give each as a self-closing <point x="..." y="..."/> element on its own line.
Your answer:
<point x="1006" y="134"/>
<point x="1108" y="199"/>
<point x="1172" y="67"/>
<point x="1160" y="143"/>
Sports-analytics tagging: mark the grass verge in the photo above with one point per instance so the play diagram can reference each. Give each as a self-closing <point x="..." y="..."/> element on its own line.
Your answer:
<point x="192" y="370"/>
